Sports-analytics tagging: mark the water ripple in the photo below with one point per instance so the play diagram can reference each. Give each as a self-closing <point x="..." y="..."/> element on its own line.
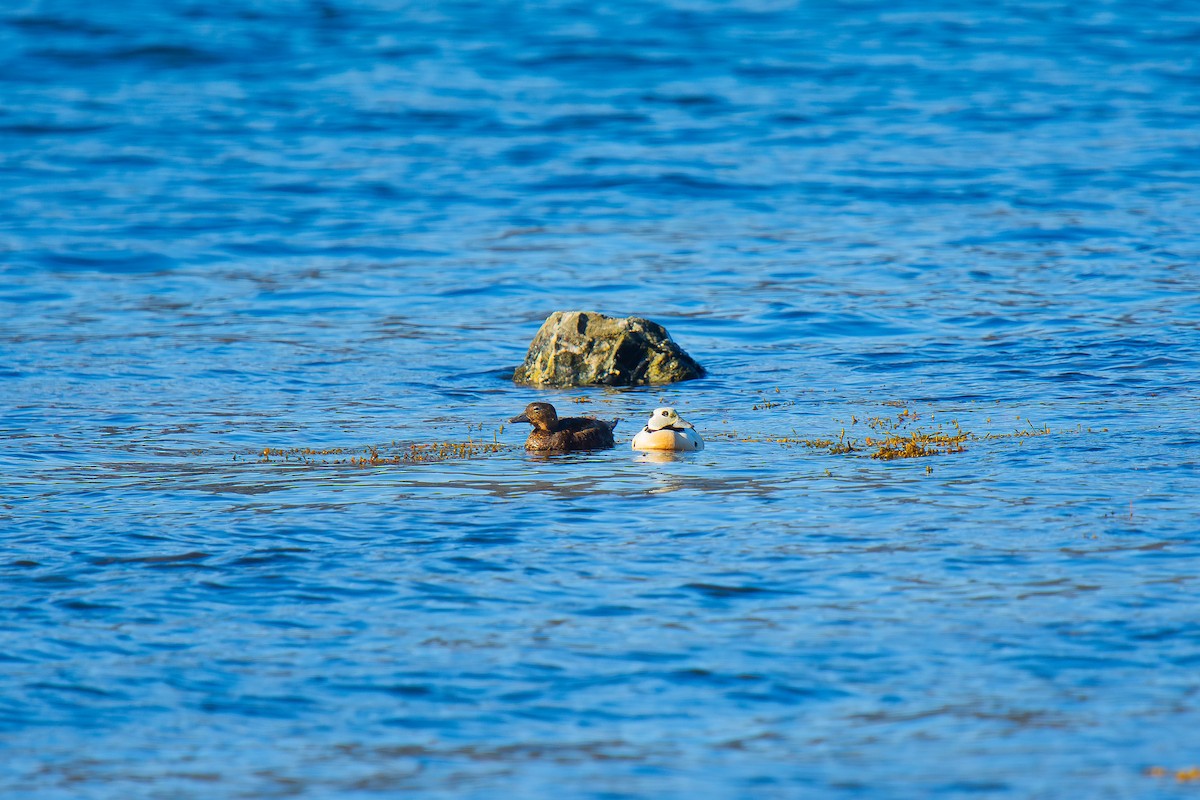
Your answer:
<point x="331" y="228"/>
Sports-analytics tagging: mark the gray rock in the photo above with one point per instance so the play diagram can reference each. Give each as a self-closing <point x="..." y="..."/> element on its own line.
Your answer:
<point x="583" y="348"/>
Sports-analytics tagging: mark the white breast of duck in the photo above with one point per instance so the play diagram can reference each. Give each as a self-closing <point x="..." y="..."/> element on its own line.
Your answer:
<point x="666" y="430"/>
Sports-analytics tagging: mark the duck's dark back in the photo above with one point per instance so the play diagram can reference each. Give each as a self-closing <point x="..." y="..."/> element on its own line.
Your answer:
<point x="574" y="433"/>
<point x="577" y="424"/>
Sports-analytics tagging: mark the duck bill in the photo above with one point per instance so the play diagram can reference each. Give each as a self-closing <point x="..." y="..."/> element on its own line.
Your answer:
<point x="683" y="424"/>
<point x="522" y="418"/>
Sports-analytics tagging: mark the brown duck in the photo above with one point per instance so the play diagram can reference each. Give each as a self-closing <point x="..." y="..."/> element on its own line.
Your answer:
<point x="571" y="433"/>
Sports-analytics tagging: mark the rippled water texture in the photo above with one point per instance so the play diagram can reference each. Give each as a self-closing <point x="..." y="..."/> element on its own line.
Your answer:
<point x="234" y="226"/>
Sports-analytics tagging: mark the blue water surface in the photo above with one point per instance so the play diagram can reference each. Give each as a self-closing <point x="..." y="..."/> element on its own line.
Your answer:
<point x="335" y="226"/>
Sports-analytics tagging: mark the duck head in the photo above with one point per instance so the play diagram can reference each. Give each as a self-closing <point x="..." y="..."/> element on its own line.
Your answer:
<point x="541" y="416"/>
<point x="666" y="418"/>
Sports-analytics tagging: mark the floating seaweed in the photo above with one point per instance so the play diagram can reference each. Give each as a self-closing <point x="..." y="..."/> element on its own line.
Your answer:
<point x="371" y="456"/>
<point x="891" y="437"/>
<point x="917" y="444"/>
<point x="765" y="404"/>
<point x="1188" y="775"/>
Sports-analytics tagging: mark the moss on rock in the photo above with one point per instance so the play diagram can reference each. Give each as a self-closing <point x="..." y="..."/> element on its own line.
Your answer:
<point x="584" y="348"/>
